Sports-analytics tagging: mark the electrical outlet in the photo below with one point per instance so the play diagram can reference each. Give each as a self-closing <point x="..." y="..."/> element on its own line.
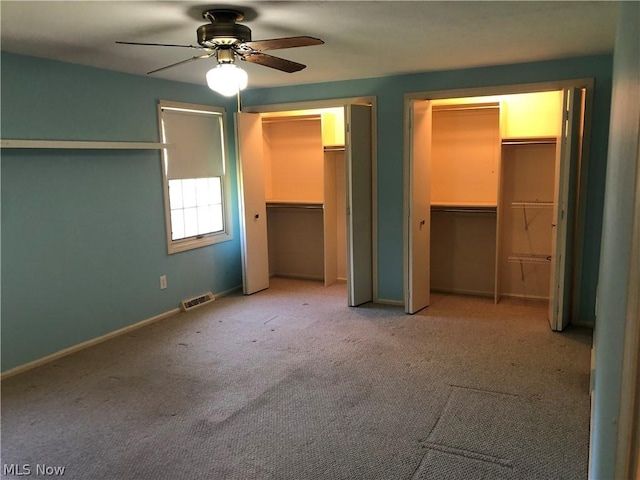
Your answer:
<point x="163" y="282"/>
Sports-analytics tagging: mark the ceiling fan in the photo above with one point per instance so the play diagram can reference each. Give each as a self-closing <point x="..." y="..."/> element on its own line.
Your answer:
<point x="225" y="39"/>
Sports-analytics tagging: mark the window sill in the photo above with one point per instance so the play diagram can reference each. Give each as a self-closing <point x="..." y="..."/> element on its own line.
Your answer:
<point x="177" y="246"/>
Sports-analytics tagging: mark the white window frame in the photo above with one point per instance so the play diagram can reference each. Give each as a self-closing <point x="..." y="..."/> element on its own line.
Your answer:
<point x="226" y="234"/>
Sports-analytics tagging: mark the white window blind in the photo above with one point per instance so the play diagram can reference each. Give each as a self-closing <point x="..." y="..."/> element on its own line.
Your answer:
<point x="197" y="145"/>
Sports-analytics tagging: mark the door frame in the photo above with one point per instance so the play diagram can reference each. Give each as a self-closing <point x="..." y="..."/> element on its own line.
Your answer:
<point x="568" y="157"/>
<point x="507" y="89"/>
<point x="340" y="103"/>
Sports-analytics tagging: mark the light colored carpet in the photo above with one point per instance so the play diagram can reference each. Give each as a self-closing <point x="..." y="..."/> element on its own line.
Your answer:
<point x="290" y="383"/>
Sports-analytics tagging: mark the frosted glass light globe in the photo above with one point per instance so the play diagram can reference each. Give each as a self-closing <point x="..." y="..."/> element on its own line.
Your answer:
<point x="227" y="79"/>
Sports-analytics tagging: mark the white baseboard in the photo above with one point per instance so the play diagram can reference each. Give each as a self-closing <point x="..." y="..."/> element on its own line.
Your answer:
<point x="384" y="301"/>
<point x="474" y="293"/>
<point x="97" y="340"/>
<point x="83" y="345"/>
<point x="227" y="292"/>
<point x="521" y="296"/>
<point x="298" y="277"/>
<point x="582" y="323"/>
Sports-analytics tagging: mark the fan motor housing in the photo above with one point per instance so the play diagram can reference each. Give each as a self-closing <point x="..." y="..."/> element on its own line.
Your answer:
<point x="211" y="35"/>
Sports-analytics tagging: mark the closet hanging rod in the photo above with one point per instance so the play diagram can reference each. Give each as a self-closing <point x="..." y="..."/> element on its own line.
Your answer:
<point x="304" y="206"/>
<point x="456" y="108"/>
<point x="333" y="148"/>
<point x="463" y="210"/>
<point x="290" y="118"/>
<point x="541" y="141"/>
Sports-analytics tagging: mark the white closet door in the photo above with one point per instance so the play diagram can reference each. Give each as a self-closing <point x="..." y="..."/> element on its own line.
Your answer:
<point x="358" y="153"/>
<point x="253" y="214"/>
<point x="419" y="219"/>
<point x="565" y="205"/>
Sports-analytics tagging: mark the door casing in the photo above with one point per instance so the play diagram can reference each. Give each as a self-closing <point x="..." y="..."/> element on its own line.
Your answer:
<point x="333" y="103"/>
<point x="586" y="83"/>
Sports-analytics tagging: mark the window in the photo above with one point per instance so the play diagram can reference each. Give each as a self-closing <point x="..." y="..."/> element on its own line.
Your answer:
<point x="196" y="186"/>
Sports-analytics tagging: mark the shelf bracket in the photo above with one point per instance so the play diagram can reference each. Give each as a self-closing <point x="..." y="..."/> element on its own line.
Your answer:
<point x="521" y="272"/>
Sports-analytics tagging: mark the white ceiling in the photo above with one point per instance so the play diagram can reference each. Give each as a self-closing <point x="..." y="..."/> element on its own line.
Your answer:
<point x="362" y="38"/>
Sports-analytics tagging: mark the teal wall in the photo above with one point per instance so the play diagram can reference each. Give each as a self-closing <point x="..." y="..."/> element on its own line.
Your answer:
<point x="83" y="234"/>
<point x="83" y="231"/>
<point x="390" y="91"/>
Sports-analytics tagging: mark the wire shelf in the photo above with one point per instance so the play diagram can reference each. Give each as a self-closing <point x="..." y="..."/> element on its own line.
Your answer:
<point x="531" y="204"/>
<point x="529" y="258"/>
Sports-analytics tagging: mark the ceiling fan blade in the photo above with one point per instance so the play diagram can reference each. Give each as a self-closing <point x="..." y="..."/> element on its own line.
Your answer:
<point x="197" y="57"/>
<point x="278" y="43"/>
<point x="273" y="62"/>
<point x="160" y="44"/>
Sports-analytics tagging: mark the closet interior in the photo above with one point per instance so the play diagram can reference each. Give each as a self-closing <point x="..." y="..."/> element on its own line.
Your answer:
<point x="464" y="194"/>
<point x="493" y="175"/>
<point x="304" y="170"/>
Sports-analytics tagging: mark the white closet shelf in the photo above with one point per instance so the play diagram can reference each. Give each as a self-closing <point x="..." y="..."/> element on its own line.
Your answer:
<point x="531" y="204"/>
<point x="79" y="144"/>
<point x="464" y="204"/>
<point x="529" y="258"/>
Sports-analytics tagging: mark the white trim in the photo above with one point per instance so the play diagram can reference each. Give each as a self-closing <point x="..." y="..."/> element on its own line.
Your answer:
<point x="341" y="102"/>
<point x="184" y="244"/>
<point x="228" y="292"/>
<point x="385" y="301"/>
<point x="309" y="105"/>
<point x="87" y="145"/>
<point x="299" y="277"/>
<point x="89" y="343"/>
<point x="191" y="107"/>
<point x="582" y="323"/>
<point x="470" y="293"/>
<point x="500" y="90"/>
<point x="628" y="438"/>
<point x="522" y="296"/>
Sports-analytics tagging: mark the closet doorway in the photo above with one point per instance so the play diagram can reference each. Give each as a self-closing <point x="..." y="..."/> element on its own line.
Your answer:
<point x="491" y="194"/>
<point x="305" y="176"/>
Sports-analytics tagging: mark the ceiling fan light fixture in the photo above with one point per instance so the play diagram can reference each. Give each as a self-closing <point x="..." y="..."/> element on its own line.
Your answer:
<point x="227" y="79"/>
<point x="226" y="39"/>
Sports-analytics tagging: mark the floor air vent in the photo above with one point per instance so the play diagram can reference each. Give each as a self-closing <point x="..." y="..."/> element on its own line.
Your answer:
<point x="191" y="303"/>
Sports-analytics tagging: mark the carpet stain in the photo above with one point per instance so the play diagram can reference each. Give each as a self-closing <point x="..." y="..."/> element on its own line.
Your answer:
<point x="272" y="318"/>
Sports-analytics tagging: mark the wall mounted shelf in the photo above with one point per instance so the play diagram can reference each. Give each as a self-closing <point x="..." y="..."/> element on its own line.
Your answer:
<point x="86" y="145"/>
